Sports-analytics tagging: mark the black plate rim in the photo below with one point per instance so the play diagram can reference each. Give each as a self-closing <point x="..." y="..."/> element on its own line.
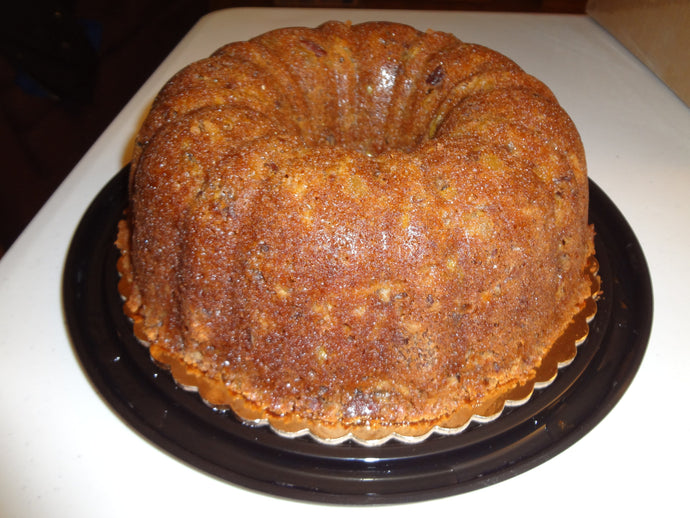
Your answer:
<point x="301" y="469"/>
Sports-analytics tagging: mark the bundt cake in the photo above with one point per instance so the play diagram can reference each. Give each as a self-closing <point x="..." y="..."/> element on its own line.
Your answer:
<point x="355" y="227"/>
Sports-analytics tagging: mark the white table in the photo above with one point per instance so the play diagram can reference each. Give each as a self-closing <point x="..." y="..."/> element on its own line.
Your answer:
<point x="64" y="452"/>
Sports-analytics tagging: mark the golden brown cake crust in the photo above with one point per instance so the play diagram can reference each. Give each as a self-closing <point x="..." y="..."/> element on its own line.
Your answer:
<point x="355" y="226"/>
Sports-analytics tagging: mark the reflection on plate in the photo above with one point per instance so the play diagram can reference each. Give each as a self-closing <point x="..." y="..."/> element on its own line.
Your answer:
<point x="178" y="421"/>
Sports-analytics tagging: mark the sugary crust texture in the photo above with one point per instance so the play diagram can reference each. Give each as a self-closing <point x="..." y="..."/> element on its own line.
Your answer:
<point x="356" y="225"/>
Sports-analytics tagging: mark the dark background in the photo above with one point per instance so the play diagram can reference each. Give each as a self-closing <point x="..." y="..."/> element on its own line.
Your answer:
<point x="68" y="67"/>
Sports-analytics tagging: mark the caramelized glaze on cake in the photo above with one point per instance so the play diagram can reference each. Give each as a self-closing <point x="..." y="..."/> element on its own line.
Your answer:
<point x="355" y="225"/>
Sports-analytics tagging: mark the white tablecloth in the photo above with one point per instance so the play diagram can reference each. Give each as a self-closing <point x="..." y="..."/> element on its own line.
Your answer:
<point x="64" y="452"/>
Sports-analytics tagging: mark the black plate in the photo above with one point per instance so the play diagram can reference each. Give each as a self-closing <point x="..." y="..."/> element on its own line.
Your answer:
<point x="147" y="398"/>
